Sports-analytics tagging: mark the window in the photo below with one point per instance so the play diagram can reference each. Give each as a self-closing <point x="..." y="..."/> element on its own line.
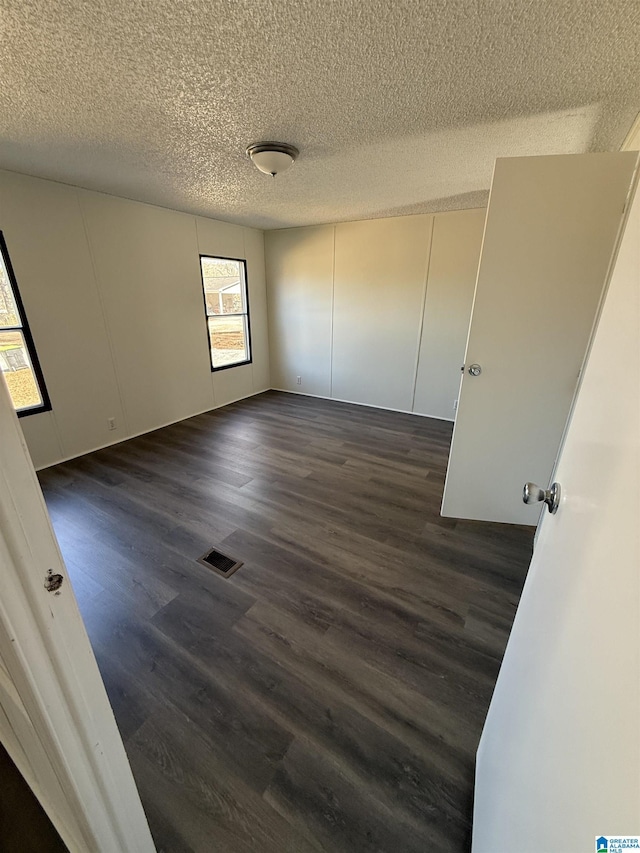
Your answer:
<point x="18" y="359"/>
<point x="224" y="281"/>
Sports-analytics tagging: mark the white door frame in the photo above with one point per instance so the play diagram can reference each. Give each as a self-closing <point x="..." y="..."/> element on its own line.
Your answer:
<point x="55" y="718"/>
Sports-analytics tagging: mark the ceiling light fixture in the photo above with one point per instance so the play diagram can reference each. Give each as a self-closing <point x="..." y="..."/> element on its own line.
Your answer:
<point x="272" y="157"/>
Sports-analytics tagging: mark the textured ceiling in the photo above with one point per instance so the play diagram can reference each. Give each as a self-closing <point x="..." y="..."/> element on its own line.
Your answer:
<point x="397" y="106"/>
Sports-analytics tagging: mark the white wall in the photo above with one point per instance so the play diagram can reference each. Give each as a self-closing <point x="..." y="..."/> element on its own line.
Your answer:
<point x="374" y="312"/>
<point x="379" y="286"/>
<point x="632" y="141"/>
<point x="299" y="263"/>
<point x="113" y="296"/>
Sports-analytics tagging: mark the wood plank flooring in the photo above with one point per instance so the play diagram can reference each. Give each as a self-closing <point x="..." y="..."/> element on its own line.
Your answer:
<point x="328" y="696"/>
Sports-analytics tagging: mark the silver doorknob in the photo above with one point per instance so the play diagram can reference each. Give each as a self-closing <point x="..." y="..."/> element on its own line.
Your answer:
<point x="475" y="370"/>
<point x="532" y="494"/>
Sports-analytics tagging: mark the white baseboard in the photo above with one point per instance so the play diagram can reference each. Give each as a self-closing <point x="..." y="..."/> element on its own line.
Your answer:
<point x="229" y="403"/>
<point x="147" y="431"/>
<point x="366" y="405"/>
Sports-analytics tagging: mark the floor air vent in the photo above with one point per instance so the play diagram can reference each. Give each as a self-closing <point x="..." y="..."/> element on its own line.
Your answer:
<point x="219" y="562"/>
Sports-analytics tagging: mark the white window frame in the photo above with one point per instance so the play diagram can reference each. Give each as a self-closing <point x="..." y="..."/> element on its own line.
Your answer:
<point x="244" y="283"/>
<point x="23" y="328"/>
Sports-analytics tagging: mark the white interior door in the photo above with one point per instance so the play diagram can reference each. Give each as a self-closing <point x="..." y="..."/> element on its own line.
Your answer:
<point x="55" y="719"/>
<point x="552" y="225"/>
<point x="559" y="759"/>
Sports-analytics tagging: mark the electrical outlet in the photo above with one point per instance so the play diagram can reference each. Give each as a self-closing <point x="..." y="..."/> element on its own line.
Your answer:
<point x="298" y="380"/>
<point x="111" y="423"/>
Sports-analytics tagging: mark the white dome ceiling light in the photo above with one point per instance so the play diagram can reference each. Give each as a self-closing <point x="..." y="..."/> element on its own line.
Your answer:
<point x="272" y="157"/>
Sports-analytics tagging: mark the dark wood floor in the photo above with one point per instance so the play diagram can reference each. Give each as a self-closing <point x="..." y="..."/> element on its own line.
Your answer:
<point x="330" y="694"/>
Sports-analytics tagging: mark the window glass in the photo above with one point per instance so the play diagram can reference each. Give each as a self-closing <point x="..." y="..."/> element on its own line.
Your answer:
<point x="9" y="315"/>
<point x="224" y="283"/>
<point x="223" y="286"/>
<point x="18" y="359"/>
<point x="228" y="340"/>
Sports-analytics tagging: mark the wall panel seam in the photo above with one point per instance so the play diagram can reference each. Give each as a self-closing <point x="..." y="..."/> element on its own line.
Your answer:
<point x="247" y="291"/>
<point x="333" y="303"/>
<point x="56" y="430"/>
<point x="105" y="323"/>
<point x="424" y="305"/>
